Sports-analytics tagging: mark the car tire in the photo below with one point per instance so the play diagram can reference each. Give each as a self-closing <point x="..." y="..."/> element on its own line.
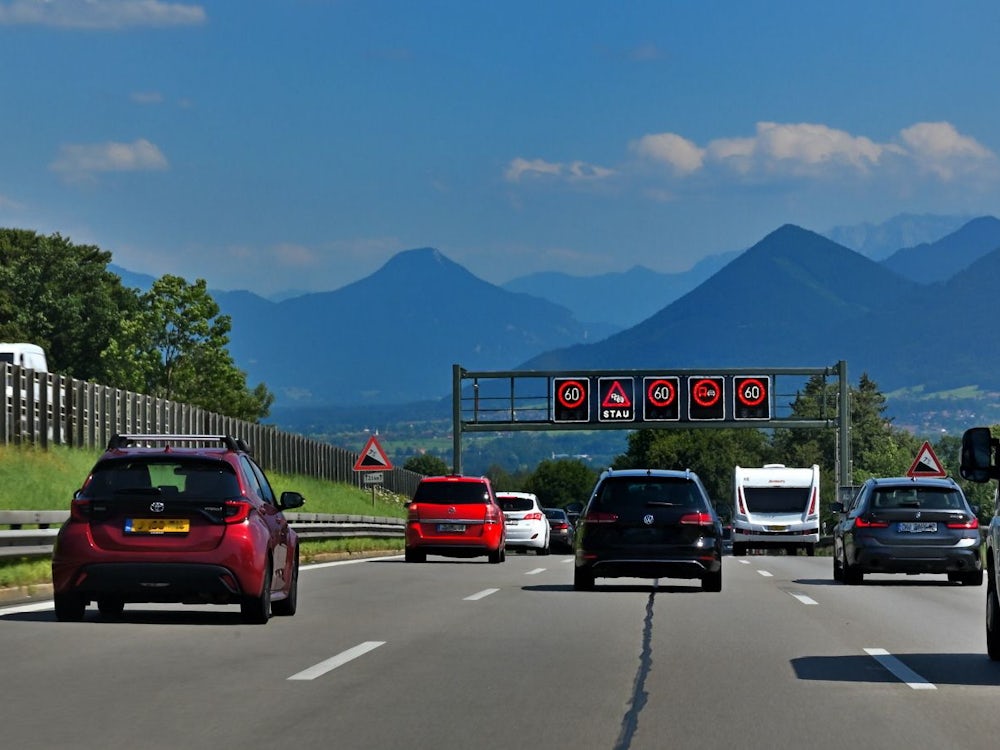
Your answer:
<point x="852" y="574"/>
<point x="256" y="610"/>
<point x="497" y="556"/>
<point x="543" y="550"/>
<point x="739" y="550"/>
<point x="583" y="579"/>
<point x="712" y="581"/>
<point x="286" y="607"/>
<point x="414" y="555"/>
<point x="992" y="620"/>
<point x="111" y="607"/>
<point x="69" y="607"/>
<point x="838" y="568"/>
<point x="972" y="578"/>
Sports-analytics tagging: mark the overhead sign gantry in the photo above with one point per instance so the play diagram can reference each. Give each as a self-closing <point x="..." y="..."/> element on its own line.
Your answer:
<point x="519" y="400"/>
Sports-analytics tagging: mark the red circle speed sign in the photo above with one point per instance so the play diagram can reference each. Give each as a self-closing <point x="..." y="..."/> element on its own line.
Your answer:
<point x="751" y="392"/>
<point x="661" y="393"/>
<point x="571" y="393"/>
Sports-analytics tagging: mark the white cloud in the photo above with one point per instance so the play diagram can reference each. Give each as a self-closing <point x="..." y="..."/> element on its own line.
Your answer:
<point x="683" y="156"/>
<point x="100" y="14"/>
<point x="83" y="161"/>
<point x="573" y="171"/>
<point x="937" y="147"/>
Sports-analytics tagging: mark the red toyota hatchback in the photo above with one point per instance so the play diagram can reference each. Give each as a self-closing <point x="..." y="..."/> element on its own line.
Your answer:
<point x="455" y="516"/>
<point x="177" y="518"/>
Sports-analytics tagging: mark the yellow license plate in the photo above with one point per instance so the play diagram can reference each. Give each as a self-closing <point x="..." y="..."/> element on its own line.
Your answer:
<point x="157" y="525"/>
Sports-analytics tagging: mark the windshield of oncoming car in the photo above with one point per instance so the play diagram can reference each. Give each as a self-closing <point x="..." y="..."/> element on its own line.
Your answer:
<point x="451" y="493"/>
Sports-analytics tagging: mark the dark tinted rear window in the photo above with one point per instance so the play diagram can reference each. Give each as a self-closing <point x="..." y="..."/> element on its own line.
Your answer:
<point x="636" y="492"/>
<point x="451" y="493"/>
<point x="194" y="479"/>
<point x="556" y="515"/>
<point x="929" y="498"/>
<point x="515" y="503"/>
<point x="777" y="499"/>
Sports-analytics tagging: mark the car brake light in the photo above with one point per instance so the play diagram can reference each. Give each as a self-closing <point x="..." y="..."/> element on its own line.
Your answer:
<point x="812" y="503"/>
<point x="493" y="514"/>
<point x="697" y="519"/>
<point x="741" y="501"/>
<point x="532" y="516"/>
<point x="237" y="511"/>
<point x="79" y="510"/>
<point x="599" y="517"/>
<point x="413" y="512"/>
<point x="861" y="523"/>
<point x="560" y="526"/>
<point x="971" y="524"/>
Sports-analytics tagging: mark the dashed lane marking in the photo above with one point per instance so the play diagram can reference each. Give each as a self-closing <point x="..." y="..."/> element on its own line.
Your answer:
<point x="318" y="670"/>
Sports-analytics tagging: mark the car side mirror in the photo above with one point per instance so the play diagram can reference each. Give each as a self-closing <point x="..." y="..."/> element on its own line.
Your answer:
<point x="978" y="446"/>
<point x="291" y="500"/>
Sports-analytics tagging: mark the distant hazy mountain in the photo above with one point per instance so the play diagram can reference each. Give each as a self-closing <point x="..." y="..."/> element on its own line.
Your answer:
<point x="622" y="299"/>
<point x="937" y="261"/>
<point x="879" y="241"/>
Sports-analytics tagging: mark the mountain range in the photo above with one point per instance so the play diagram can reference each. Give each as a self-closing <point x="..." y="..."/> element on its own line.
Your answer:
<point x="919" y="318"/>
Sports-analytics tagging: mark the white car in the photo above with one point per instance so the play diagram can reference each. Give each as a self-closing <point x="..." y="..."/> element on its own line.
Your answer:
<point x="527" y="525"/>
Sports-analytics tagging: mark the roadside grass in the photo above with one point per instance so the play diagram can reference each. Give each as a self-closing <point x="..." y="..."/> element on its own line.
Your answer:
<point x="35" y="479"/>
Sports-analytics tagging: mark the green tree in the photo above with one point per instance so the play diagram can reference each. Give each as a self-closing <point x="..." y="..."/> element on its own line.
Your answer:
<point x="711" y="454"/>
<point x="427" y="464"/>
<point x="560" y="481"/>
<point x="176" y="348"/>
<point x="62" y="297"/>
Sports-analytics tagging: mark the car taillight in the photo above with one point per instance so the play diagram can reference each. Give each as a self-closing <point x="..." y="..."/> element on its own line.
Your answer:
<point x="237" y="511"/>
<point x="812" y="503"/>
<point x="741" y="501"/>
<point x="599" y="517"/>
<point x="697" y="519"/>
<point x="532" y="516"/>
<point x="79" y="510"/>
<point x="862" y="523"/>
<point x="971" y="524"/>
<point x="413" y="512"/>
<point x="493" y="514"/>
<point x="560" y="526"/>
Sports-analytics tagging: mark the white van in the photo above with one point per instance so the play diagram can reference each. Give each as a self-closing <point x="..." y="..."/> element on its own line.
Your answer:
<point x="776" y="507"/>
<point x="29" y="356"/>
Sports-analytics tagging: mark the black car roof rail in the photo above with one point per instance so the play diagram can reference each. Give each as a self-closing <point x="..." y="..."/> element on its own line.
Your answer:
<point x="123" y="440"/>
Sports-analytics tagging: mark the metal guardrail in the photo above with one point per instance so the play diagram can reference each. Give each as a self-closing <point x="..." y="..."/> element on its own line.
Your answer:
<point x="17" y="541"/>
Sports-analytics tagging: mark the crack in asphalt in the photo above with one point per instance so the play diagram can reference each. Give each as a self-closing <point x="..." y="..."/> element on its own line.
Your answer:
<point x="630" y="721"/>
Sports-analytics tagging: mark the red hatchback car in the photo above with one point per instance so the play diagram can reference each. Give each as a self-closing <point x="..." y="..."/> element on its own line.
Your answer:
<point x="455" y="516"/>
<point x="177" y="518"/>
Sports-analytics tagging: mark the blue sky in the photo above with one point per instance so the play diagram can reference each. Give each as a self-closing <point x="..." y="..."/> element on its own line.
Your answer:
<point x="299" y="144"/>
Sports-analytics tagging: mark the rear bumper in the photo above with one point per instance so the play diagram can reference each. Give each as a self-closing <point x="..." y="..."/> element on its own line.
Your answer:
<point x="157" y="582"/>
<point x="676" y="566"/>
<point x="884" y="559"/>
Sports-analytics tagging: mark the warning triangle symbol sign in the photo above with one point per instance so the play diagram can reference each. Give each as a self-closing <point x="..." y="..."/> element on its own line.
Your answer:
<point x="616" y="398"/>
<point x="926" y="464"/>
<point x="372" y="458"/>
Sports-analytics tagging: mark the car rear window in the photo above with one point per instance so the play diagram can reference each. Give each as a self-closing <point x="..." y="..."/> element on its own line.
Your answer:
<point x="635" y="492"/>
<point x="451" y="493"/>
<point x="194" y="479"/>
<point x="929" y="498"/>
<point x="515" y="503"/>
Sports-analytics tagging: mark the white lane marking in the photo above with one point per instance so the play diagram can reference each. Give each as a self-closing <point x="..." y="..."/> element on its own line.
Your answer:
<point x="318" y="670"/>
<point x="23" y="608"/>
<point x="766" y="574"/>
<point x="535" y="572"/>
<point x="317" y="566"/>
<point x="804" y="599"/>
<point x="481" y="595"/>
<point x="743" y="562"/>
<point x="900" y="670"/>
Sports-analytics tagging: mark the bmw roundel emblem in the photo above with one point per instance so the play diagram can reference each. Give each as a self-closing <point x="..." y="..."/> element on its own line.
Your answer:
<point x="648" y="519"/>
<point x="157" y="507"/>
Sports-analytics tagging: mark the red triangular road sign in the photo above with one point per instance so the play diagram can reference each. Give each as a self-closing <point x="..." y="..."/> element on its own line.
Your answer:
<point x="616" y="398"/>
<point x="926" y="464"/>
<point x="372" y="458"/>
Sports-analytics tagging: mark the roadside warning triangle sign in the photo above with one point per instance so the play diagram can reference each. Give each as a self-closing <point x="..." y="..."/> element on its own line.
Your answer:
<point x="926" y="464"/>
<point x="616" y="398"/>
<point x="372" y="458"/>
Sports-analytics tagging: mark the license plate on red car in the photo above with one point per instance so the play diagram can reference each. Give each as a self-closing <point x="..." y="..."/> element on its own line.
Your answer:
<point x="457" y="528"/>
<point x="157" y="526"/>
<point x="916" y="527"/>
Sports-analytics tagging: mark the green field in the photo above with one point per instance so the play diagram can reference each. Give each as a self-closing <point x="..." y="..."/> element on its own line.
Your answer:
<point x="36" y="479"/>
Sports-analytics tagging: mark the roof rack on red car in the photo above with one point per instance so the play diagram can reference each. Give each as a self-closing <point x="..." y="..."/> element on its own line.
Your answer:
<point x="123" y="441"/>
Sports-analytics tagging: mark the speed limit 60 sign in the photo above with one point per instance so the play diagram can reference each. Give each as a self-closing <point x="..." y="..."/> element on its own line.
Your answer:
<point x="571" y="399"/>
<point x="752" y="397"/>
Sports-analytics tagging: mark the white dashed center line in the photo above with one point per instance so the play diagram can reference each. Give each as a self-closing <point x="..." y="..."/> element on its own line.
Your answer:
<point x="318" y="670"/>
<point x="900" y="670"/>
<point x="482" y="594"/>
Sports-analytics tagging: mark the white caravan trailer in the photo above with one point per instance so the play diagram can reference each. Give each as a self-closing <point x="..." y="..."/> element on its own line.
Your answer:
<point x="776" y="507"/>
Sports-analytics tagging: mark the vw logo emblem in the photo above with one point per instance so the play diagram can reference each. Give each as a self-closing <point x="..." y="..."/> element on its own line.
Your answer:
<point x="648" y="519"/>
<point x="157" y="507"/>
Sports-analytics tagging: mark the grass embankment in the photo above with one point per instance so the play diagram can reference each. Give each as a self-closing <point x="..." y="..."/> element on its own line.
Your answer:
<point x="35" y="479"/>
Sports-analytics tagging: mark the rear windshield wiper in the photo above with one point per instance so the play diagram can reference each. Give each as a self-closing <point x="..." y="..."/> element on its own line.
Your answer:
<point x="660" y="504"/>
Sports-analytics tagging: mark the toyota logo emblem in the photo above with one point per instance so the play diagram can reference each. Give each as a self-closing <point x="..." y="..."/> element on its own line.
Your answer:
<point x="648" y="519"/>
<point x="157" y="507"/>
